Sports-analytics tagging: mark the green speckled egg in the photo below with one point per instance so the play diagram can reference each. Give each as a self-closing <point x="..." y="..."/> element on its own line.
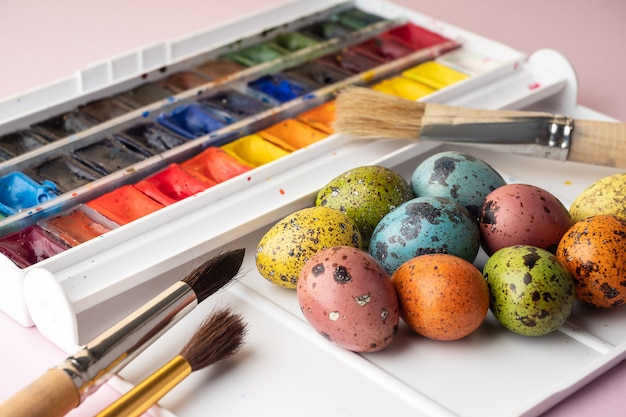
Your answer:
<point x="605" y="196"/>
<point x="531" y="292"/>
<point x="286" y="246"/>
<point x="365" y="194"/>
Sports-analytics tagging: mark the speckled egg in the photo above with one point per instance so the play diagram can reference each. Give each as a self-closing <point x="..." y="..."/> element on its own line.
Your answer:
<point x="286" y="246"/>
<point x="424" y="225"/>
<point x="605" y="196"/>
<point x="365" y="194"/>
<point x="532" y="293"/>
<point x="442" y="297"/>
<point x="458" y="176"/>
<point x="522" y="214"/>
<point x="594" y="251"/>
<point x="349" y="299"/>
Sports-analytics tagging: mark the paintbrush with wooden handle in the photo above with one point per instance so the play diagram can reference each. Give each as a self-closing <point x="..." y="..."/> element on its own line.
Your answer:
<point x="220" y="336"/>
<point x="369" y="114"/>
<point x="64" y="387"/>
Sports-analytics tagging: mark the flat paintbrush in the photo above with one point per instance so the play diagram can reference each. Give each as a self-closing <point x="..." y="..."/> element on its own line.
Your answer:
<point x="220" y="336"/>
<point x="64" y="387"/>
<point x="368" y="114"/>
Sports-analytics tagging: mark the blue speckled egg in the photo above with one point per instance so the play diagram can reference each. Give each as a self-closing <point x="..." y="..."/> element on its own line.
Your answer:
<point x="424" y="225"/>
<point x="458" y="176"/>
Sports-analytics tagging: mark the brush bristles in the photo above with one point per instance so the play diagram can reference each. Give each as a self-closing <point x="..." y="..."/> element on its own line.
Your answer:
<point x="220" y="336"/>
<point x="370" y="114"/>
<point x="215" y="273"/>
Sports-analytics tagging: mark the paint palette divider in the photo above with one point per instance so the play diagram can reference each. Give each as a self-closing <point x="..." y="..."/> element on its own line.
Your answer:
<point x="79" y="261"/>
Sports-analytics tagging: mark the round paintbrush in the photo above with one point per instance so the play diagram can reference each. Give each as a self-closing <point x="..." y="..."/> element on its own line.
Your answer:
<point x="368" y="114"/>
<point x="219" y="337"/>
<point x="64" y="387"/>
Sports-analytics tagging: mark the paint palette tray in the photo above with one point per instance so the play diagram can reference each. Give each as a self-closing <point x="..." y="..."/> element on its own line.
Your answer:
<point x="287" y="364"/>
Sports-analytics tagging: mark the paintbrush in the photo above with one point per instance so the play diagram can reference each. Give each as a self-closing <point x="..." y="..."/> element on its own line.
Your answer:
<point x="64" y="387"/>
<point x="368" y="114"/>
<point x="220" y="336"/>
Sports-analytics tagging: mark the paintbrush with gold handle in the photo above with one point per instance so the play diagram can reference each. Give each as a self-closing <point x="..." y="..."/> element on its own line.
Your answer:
<point x="219" y="337"/>
<point x="368" y="114"/>
<point x="65" y="386"/>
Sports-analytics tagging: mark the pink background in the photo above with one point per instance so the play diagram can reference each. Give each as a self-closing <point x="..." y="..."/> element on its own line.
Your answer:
<point x="43" y="41"/>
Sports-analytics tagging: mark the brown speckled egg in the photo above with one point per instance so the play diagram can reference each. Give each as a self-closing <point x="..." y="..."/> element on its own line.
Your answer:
<point x="522" y="214"/>
<point x="442" y="297"/>
<point x="594" y="251"/>
<point x="349" y="299"/>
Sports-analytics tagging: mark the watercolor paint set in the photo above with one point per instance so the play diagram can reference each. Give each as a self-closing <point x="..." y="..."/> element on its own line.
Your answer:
<point x="117" y="181"/>
<point x="88" y="181"/>
<point x="138" y="150"/>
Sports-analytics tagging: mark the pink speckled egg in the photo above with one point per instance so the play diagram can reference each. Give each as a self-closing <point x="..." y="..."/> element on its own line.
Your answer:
<point x="522" y="214"/>
<point x="349" y="299"/>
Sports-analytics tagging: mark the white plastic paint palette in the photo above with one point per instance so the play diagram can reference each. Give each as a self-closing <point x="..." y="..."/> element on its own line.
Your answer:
<point x="286" y="366"/>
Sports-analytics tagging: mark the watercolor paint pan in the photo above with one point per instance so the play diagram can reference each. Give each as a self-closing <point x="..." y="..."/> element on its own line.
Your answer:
<point x="144" y="95"/>
<point x="104" y="109"/>
<point x="65" y="172"/>
<point x="108" y="155"/>
<point x="170" y="185"/>
<point x="192" y="121"/>
<point x="20" y="142"/>
<point x="159" y="221"/>
<point x="316" y="73"/>
<point x="219" y="68"/>
<point x="351" y="60"/>
<point x="30" y="245"/>
<point x="276" y="89"/>
<point x="18" y="192"/>
<point x="293" y="41"/>
<point x="77" y="226"/>
<point x="236" y="103"/>
<point x="150" y="136"/>
<point x="183" y="81"/>
<point x="124" y="204"/>
<point x="255" y="150"/>
<point x="63" y="125"/>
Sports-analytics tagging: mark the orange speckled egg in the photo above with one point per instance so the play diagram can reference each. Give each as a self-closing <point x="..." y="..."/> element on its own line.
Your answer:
<point x="442" y="297"/>
<point x="594" y="251"/>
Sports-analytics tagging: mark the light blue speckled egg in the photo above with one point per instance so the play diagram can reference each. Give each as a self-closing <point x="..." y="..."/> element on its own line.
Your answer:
<point x="424" y="225"/>
<point x="456" y="175"/>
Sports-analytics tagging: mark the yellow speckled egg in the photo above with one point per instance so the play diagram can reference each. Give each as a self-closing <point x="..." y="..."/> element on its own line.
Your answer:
<point x="594" y="251"/>
<point x="605" y="196"/>
<point x="286" y="246"/>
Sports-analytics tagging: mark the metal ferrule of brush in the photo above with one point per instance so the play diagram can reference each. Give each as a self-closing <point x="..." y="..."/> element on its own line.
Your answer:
<point x="560" y="133"/>
<point x="546" y="137"/>
<point x="116" y="347"/>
